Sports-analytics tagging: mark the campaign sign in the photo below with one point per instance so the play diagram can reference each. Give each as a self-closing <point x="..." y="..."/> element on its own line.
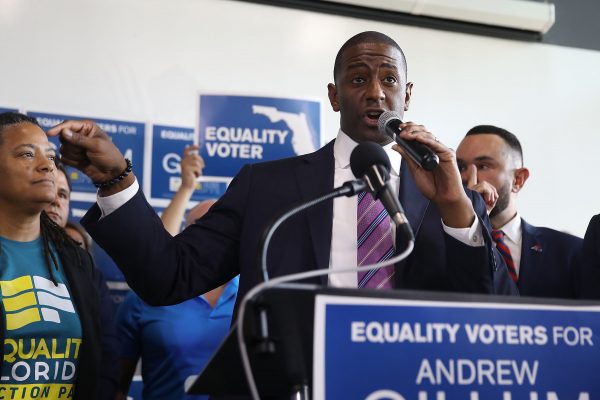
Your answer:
<point x="168" y="143"/>
<point x="77" y="209"/>
<point x="378" y="349"/>
<point x="237" y="130"/>
<point x="127" y="136"/>
<point x="2" y="110"/>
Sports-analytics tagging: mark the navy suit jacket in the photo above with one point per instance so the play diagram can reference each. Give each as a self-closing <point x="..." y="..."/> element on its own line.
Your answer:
<point x="550" y="263"/>
<point x="591" y="260"/>
<point x="225" y="242"/>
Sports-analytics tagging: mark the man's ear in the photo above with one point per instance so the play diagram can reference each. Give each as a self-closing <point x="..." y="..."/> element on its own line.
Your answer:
<point x="408" y="95"/>
<point x="333" y="99"/>
<point x="519" y="179"/>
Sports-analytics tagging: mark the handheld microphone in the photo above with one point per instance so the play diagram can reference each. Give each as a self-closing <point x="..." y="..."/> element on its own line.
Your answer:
<point x="369" y="162"/>
<point x="389" y="125"/>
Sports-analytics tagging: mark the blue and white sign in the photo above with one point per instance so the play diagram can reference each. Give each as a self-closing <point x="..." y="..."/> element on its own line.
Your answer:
<point x="168" y="143"/>
<point x="77" y="209"/>
<point x="127" y="136"/>
<point x="237" y="130"/>
<point x="376" y="349"/>
<point x="2" y="110"/>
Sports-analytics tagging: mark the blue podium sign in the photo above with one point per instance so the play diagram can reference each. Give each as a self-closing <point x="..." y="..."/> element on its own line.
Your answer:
<point x="127" y="136"/>
<point x="168" y="143"/>
<point x="237" y="130"/>
<point x="378" y="349"/>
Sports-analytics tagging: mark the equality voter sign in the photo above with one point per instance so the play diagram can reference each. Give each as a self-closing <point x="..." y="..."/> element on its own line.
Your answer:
<point x="376" y="349"/>
<point x="237" y="130"/>
<point x="168" y="144"/>
<point x="127" y="136"/>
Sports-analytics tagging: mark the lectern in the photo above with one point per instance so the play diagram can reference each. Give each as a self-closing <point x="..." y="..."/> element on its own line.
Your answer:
<point x="312" y="342"/>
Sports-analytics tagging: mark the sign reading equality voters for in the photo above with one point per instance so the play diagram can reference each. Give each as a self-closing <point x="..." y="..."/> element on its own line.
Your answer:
<point x="168" y="144"/>
<point x="237" y="130"/>
<point x="394" y="349"/>
<point x="127" y="136"/>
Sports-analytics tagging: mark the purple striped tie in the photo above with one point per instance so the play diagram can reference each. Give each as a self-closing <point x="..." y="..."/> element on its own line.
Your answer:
<point x="374" y="242"/>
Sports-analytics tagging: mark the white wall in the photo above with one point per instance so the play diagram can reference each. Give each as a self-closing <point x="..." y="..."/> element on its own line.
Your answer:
<point x="147" y="59"/>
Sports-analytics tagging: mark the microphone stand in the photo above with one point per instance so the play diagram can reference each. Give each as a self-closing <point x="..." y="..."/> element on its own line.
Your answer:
<point x="263" y="342"/>
<point x="265" y="345"/>
<point x="350" y="188"/>
<point x="377" y="183"/>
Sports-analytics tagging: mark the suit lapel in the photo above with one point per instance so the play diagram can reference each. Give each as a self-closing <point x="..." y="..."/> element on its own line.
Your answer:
<point x="415" y="205"/>
<point x="531" y="252"/>
<point x="413" y="202"/>
<point x="318" y="169"/>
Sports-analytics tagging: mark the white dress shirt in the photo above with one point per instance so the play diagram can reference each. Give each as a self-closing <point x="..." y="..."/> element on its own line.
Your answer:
<point x="513" y="237"/>
<point x="343" y="241"/>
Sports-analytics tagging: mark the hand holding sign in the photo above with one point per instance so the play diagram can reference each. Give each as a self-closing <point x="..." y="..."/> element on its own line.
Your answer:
<point x="89" y="149"/>
<point x="191" y="167"/>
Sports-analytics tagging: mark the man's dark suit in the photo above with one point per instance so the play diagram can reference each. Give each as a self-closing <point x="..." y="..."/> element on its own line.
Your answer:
<point x="591" y="260"/>
<point x="225" y="242"/>
<point x="550" y="263"/>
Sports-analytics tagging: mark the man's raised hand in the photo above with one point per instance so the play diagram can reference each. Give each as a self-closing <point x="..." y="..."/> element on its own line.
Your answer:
<point x="487" y="191"/>
<point x="89" y="149"/>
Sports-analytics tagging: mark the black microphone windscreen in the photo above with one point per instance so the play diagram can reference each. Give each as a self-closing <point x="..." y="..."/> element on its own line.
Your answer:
<point x="387" y="118"/>
<point x="365" y="155"/>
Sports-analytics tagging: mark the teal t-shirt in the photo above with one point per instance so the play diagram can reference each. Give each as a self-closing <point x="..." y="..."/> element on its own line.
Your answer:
<point x="42" y="331"/>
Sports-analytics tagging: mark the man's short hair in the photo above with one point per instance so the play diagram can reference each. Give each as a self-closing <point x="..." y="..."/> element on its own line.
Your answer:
<point x="367" y="37"/>
<point x="61" y="167"/>
<point x="509" y="138"/>
<point x="14" y="118"/>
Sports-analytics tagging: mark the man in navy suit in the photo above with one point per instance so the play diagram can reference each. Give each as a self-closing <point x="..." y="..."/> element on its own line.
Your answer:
<point x="453" y="249"/>
<point x="544" y="262"/>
